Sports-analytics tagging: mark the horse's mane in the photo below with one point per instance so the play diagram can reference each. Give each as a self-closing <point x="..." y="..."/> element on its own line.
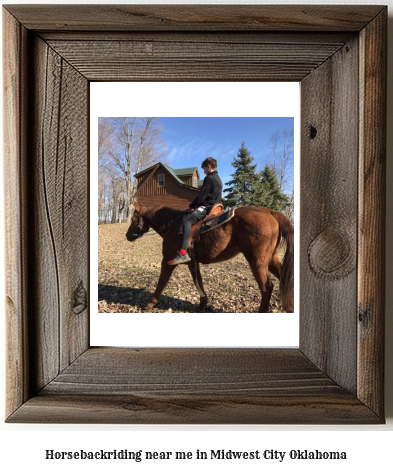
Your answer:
<point x="159" y="215"/>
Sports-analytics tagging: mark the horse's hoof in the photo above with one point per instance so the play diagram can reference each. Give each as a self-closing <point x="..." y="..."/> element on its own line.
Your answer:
<point x="202" y="304"/>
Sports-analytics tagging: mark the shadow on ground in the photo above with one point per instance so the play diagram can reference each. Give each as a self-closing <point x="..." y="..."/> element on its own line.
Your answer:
<point x="137" y="298"/>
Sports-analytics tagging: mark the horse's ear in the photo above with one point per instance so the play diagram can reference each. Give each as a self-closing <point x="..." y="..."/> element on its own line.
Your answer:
<point x="138" y="207"/>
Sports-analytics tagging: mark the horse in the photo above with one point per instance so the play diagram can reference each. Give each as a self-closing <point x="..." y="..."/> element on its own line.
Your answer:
<point x="255" y="232"/>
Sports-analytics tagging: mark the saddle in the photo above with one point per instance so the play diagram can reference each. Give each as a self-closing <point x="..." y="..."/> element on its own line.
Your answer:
<point x="217" y="216"/>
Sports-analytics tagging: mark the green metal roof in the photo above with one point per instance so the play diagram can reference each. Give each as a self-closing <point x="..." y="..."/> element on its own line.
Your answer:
<point x="175" y="173"/>
<point x="172" y="172"/>
<point x="184" y="171"/>
<point x="179" y="172"/>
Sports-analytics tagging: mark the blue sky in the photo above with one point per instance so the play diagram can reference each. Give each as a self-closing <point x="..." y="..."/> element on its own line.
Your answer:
<point x="191" y="140"/>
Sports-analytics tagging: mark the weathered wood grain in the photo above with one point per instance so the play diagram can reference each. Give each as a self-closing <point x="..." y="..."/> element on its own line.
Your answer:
<point x="201" y="37"/>
<point x="329" y="190"/>
<point x="14" y="149"/>
<point x="195" y="17"/>
<point x="371" y="231"/>
<point x="59" y="183"/>
<point x="182" y="60"/>
<point x="199" y="371"/>
<point x="239" y="409"/>
<point x="193" y="386"/>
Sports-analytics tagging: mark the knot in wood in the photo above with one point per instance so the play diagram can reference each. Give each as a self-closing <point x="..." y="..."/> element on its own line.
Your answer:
<point x="330" y="254"/>
<point x="80" y="299"/>
<point x="364" y="316"/>
<point x="313" y="132"/>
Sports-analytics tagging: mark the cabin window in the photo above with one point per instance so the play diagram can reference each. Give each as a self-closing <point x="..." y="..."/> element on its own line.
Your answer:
<point x="161" y="180"/>
<point x="195" y="182"/>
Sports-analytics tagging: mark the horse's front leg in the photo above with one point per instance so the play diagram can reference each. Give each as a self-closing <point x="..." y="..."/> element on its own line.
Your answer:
<point x="166" y="272"/>
<point x="197" y="278"/>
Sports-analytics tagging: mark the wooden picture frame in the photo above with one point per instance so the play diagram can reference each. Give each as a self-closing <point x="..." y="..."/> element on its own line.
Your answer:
<point x="338" y="54"/>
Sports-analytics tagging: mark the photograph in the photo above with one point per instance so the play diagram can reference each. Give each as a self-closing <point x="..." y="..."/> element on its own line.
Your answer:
<point x="213" y="199"/>
<point x="220" y="178"/>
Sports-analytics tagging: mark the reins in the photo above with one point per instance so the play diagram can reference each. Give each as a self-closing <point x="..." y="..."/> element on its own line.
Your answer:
<point x="140" y="224"/>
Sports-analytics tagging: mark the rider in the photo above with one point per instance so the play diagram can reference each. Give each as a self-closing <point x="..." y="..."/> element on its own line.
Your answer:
<point x="211" y="192"/>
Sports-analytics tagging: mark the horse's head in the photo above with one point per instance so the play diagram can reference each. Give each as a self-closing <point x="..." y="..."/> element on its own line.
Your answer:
<point x="138" y="225"/>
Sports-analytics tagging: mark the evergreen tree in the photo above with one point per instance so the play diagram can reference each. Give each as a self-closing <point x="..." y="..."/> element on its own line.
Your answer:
<point x="270" y="194"/>
<point x="243" y="188"/>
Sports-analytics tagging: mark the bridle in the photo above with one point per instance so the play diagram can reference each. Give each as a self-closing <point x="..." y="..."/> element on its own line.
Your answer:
<point x="140" y="223"/>
<point x="140" y="226"/>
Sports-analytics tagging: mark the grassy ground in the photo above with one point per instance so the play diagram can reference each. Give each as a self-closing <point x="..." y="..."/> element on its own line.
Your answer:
<point x="128" y="274"/>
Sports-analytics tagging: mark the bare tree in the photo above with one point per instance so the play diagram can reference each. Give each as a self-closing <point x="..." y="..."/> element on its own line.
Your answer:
<point x="281" y="150"/>
<point x="105" y="137"/>
<point x="126" y="145"/>
<point x="136" y="145"/>
<point x="102" y="193"/>
<point x="281" y="156"/>
<point x="289" y="210"/>
<point x="274" y="141"/>
<point x="118" y="198"/>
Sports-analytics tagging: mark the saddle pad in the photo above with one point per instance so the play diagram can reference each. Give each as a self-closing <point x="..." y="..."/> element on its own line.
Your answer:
<point x="219" y="220"/>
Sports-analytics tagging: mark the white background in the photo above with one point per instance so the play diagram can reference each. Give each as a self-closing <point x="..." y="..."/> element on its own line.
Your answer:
<point x="201" y="99"/>
<point x="22" y="447"/>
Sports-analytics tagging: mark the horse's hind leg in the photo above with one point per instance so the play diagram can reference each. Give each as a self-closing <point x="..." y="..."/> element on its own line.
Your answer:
<point x="166" y="272"/>
<point x="197" y="279"/>
<point x="259" y="269"/>
<point x="275" y="265"/>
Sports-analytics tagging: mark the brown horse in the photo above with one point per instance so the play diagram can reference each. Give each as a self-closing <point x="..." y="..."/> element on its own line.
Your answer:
<point x="254" y="231"/>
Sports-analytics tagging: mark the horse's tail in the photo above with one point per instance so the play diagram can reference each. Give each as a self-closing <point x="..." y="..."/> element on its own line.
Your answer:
<point x="286" y="277"/>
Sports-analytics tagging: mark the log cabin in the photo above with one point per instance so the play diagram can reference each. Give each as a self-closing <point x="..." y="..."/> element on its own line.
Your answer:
<point x="162" y="185"/>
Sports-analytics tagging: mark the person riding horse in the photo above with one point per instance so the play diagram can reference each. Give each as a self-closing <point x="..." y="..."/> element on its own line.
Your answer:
<point x="211" y="193"/>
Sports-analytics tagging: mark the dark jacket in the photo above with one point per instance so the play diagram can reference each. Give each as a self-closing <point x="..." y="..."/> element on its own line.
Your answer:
<point x="211" y="191"/>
